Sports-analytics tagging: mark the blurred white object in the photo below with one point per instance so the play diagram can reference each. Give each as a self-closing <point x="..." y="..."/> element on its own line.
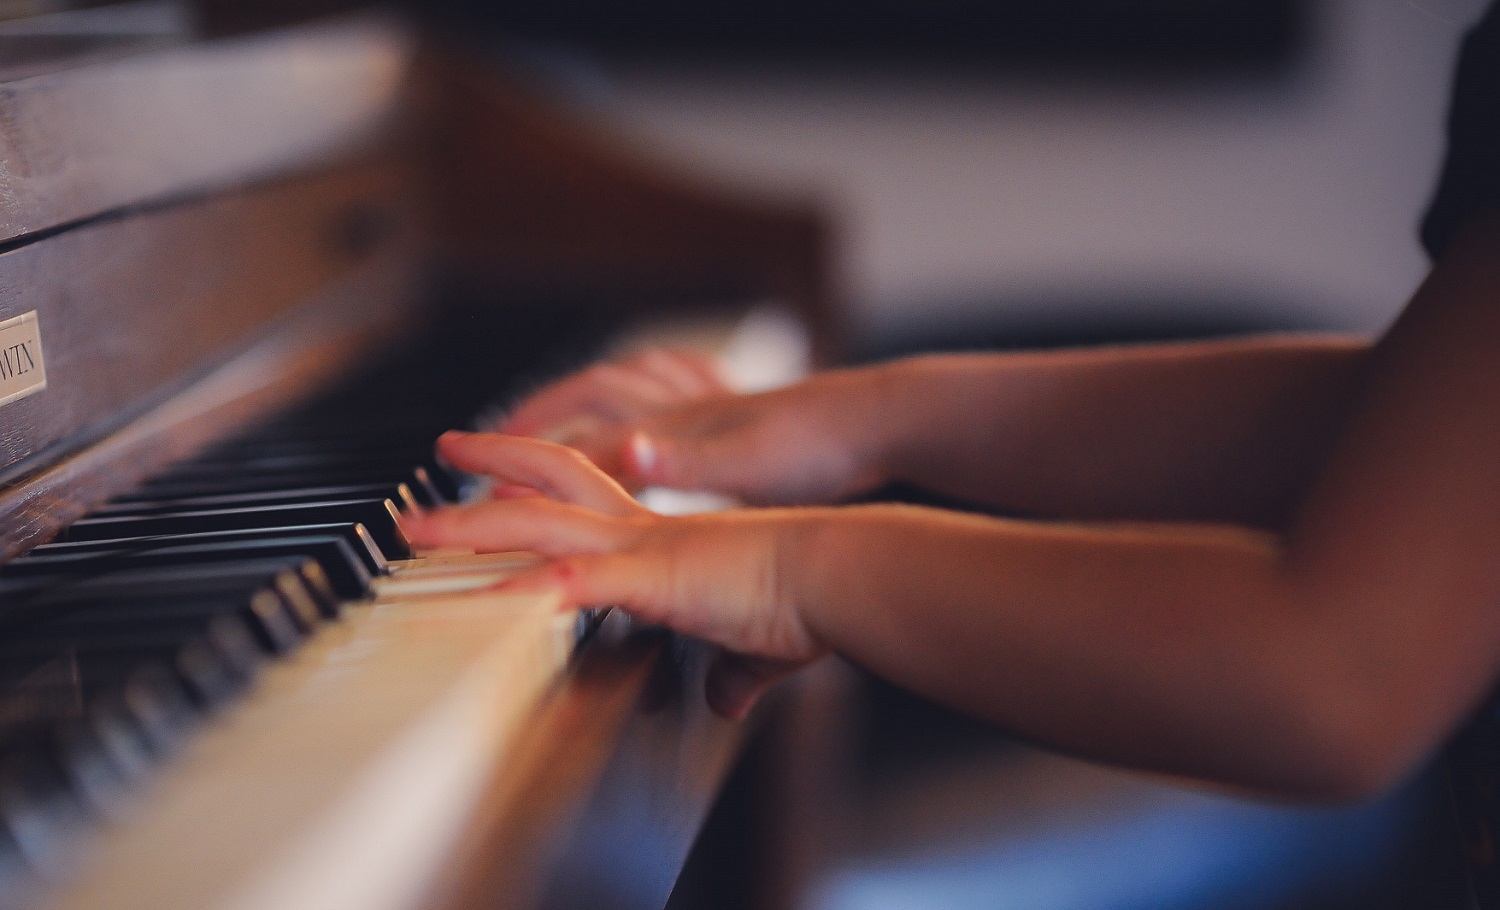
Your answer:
<point x="769" y="348"/>
<point x="681" y="502"/>
<point x="766" y="349"/>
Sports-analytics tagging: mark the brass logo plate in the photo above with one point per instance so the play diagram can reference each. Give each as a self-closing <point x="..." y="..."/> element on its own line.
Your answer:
<point x="22" y="371"/>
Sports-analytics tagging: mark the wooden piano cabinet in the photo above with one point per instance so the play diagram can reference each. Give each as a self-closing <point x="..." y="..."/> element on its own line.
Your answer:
<point x="769" y="834"/>
<point x="601" y="802"/>
<point x="527" y="195"/>
<point x="216" y="230"/>
<point x="133" y="310"/>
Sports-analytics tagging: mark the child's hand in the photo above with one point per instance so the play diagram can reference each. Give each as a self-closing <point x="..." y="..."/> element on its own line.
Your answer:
<point x="715" y="577"/>
<point x="817" y="441"/>
<point x="614" y="393"/>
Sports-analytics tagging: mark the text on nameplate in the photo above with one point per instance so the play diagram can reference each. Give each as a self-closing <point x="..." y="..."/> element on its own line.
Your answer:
<point x="22" y="371"/>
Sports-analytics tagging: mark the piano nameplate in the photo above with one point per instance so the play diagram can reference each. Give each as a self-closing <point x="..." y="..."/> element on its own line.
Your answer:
<point x="22" y="370"/>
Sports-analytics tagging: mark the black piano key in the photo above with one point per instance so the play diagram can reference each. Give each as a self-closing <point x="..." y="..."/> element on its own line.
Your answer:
<point x="153" y="700"/>
<point x="226" y="636"/>
<point x="309" y="593"/>
<point x="264" y="613"/>
<point x="211" y="680"/>
<point x="297" y="578"/>
<point x="379" y="517"/>
<point x="349" y="577"/>
<point x="110" y="727"/>
<point x="328" y="464"/>
<point x="349" y="447"/>
<point x="291" y="456"/>
<point x="19" y="885"/>
<point x="211" y="663"/>
<point x="352" y="533"/>
<point x="297" y="582"/>
<point x="417" y="479"/>
<point x="216" y="576"/>
<point x="398" y="493"/>
<point x="306" y="439"/>
<point x="42" y="813"/>
<point x="159" y="706"/>
<point x="93" y="774"/>
<point x="100" y="605"/>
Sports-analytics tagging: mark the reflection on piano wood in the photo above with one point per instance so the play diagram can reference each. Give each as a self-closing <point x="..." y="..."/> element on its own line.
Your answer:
<point x="224" y="679"/>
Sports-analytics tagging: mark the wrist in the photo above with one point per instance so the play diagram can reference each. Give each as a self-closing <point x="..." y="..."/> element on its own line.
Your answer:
<point x="890" y="420"/>
<point x="803" y="540"/>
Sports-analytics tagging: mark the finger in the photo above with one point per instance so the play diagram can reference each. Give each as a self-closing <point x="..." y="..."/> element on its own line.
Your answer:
<point x="535" y="524"/>
<point x="642" y="585"/>
<point x="624" y="393"/>
<point x="690" y="374"/>
<point x="736" y="682"/>
<point x="623" y="581"/>
<point x="556" y="471"/>
<point x="606" y="391"/>
<point x="603" y="449"/>
<point x="654" y="458"/>
<point x="570" y="431"/>
<point x="550" y="406"/>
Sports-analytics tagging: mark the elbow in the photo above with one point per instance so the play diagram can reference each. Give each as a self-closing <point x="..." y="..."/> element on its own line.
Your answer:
<point x="1344" y="775"/>
<point x="1349" y="747"/>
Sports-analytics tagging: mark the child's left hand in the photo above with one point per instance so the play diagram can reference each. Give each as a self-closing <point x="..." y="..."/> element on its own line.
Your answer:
<point x="716" y="577"/>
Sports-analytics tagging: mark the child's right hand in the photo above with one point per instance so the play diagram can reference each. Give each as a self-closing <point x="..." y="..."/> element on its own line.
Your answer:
<point x="717" y="577"/>
<point x="663" y="419"/>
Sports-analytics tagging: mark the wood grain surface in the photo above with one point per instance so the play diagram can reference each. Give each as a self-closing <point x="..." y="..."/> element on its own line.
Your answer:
<point x="600" y="802"/>
<point x="165" y="331"/>
<point x="105" y="135"/>
<point x="126" y="307"/>
<point x="530" y="196"/>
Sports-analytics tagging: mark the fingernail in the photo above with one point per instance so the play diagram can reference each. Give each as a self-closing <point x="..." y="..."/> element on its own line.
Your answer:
<point x="642" y="453"/>
<point x="457" y="434"/>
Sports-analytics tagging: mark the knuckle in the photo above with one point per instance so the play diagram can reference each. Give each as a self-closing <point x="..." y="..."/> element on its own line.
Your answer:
<point x="573" y="455"/>
<point x="643" y="359"/>
<point x="607" y="374"/>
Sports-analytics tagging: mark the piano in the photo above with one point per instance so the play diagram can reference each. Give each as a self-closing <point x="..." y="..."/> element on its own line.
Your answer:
<point x="244" y="283"/>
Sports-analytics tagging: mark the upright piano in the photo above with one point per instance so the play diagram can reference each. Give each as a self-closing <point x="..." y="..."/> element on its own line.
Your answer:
<point x="244" y="283"/>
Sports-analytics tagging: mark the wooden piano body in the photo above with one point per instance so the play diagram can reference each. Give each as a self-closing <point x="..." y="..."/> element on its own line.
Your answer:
<point x="203" y="233"/>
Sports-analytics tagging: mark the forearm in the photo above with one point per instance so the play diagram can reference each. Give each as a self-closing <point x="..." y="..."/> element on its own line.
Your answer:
<point x="1220" y="431"/>
<point x="1180" y="649"/>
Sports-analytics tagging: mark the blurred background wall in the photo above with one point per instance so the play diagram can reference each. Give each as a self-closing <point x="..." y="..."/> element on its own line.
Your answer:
<point x="1021" y="180"/>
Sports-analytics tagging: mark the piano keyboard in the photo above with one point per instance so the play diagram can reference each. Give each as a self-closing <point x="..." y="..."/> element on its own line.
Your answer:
<point x="237" y="686"/>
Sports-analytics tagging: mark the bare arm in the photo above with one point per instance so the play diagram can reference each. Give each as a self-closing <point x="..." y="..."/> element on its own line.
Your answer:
<point x="1222" y="430"/>
<point x="1325" y="660"/>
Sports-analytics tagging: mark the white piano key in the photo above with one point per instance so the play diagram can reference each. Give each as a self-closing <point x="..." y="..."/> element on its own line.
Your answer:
<point x="344" y="779"/>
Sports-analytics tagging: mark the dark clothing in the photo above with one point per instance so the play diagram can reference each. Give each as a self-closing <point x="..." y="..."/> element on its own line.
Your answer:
<point x="1471" y="173"/>
<point x="1470" y="186"/>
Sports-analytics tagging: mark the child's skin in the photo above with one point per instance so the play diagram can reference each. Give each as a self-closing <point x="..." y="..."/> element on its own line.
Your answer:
<point x="1272" y="563"/>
